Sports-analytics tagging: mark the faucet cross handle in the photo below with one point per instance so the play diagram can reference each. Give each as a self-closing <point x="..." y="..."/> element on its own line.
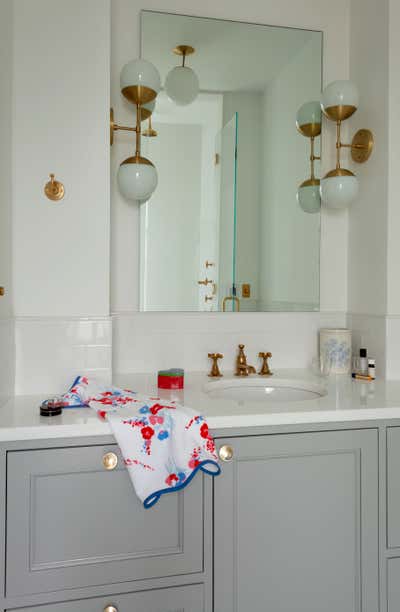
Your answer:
<point x="215" y="372"/>
<point x="265" y="371"/>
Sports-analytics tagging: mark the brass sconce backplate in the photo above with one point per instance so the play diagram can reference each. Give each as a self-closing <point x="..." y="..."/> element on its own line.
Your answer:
<point x="54" y="190"/>
<point x="361" y="146"/>
<point x="112" y="126"/>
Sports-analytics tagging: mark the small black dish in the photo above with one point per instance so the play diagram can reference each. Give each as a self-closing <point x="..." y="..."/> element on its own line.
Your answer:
<point x="51" y="407"/>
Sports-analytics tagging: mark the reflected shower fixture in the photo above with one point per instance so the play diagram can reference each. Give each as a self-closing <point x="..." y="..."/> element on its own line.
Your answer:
<point x="308" y="122"/>
<point x="182" y="83"/>
<point x="140" y="84"/>
<point x="339" y="187"/>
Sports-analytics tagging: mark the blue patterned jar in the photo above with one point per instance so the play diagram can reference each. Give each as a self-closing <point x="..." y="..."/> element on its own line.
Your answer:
<point x="335" y="351"/>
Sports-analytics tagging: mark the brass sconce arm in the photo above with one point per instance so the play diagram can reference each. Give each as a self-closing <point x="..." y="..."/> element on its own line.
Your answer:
<point x="114" y="127"/>
<point x="313" y="157"/>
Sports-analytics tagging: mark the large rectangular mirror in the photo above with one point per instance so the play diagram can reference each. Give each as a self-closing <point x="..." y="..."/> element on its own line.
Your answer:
<point x="224" y="229"/>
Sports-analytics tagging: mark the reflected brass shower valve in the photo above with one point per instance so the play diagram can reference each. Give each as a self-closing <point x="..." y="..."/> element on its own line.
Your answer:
<point x="205" y="282"/>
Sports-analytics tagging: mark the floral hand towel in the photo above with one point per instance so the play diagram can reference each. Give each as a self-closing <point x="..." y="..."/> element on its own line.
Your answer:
<point x="163" y="444"/>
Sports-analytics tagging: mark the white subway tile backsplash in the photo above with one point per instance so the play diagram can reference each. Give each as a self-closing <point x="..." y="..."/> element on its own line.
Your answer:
<point x="7" y="358"/>
<point x="392" y="347"/>
<point x="52" y="351"/>
<point x="369" y="331"/>
<point x="146" y="342"/>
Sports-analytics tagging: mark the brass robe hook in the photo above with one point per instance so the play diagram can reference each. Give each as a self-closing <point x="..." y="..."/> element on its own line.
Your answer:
<point x="54" y="190"/>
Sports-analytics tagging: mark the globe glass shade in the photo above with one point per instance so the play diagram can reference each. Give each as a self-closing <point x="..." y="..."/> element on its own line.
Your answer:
<point x="142" y="73"/>
<point x="309" y="198"/>
<point x="339" y="95"/>
<point x="182" y="85"/>
<point x="137" y="181"/>
<point x="308" y="119"/>
<point x="339" y="191"/>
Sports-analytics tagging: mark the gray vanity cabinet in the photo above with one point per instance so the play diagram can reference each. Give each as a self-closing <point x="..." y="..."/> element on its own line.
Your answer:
<point x="72" y="523"/>
<point x="296" y="523"/>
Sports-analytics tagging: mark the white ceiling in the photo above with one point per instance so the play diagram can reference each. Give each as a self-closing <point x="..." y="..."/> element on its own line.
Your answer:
<point x="230" y="56"/>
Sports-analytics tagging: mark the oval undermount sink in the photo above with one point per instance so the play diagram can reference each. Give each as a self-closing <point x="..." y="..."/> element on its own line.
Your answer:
<point x="258" y="389"/>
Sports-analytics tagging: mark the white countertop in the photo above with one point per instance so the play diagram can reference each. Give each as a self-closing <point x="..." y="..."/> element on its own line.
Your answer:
<point x="346" y="400"/>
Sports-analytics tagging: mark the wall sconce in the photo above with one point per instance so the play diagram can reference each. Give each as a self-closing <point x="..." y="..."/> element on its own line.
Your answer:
<point x="339" y="187"/>
<point x="140" y="84"/>
<point x="308" y="122"/>
<point x="182" y="83"/>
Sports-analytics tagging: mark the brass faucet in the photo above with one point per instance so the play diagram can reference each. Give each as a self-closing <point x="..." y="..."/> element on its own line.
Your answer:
<point x="242" y="369"/>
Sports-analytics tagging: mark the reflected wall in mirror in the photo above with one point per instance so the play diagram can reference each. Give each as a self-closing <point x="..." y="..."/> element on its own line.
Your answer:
<point x="224" y="229"/>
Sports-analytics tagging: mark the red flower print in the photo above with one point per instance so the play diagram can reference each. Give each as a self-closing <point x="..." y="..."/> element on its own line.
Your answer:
<point x="210" y="446"/>
<point x="204" y="431"/>
<point x="147" y="433"/>
<point x="154" y="420"/>
<point x="171" y="479"/>
<point x="193" y="463"/>
<point x="157" y="407"/>
<point x="102" y="414"/>
<point x="84" y="380"/>
<point x="105" y="400"/>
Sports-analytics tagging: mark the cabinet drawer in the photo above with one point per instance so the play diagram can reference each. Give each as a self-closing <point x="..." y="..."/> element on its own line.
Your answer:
<point x="182" y="599"/>
<point x="393" y="487"/>
<point x="72" y="523"/>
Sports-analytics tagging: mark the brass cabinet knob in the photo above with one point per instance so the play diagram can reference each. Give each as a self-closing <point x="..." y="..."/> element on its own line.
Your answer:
<point x="226" y="453"/>
<point x="110" y="609"/>
<point x="110" y="462"/>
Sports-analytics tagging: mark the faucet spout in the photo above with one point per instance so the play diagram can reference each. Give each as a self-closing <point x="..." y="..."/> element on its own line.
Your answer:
<point x="242" y="368"/>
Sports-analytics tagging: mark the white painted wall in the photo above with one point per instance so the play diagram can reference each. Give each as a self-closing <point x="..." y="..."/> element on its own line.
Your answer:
<point x="368" y="215"/>
<point x="61" y="105"/>
<point x="7" y="353"/>
<point x="392" y="110"/>
<point x="289" y="238"/>
<point x="6" y="62"/>
<point x="370" y="227"/>
<point x="332" y="19"/>
<point x="393" y="212"/>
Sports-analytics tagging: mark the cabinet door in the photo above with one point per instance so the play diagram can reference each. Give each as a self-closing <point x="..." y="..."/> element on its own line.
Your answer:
<point x="71" y="523"/>
<point x="393" y="487"/>
<point x="296" y="524"/>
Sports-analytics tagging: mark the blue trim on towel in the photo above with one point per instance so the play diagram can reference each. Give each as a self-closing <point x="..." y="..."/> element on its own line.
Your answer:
<point x="76" y="381"/>
<point x="154" y="497"/>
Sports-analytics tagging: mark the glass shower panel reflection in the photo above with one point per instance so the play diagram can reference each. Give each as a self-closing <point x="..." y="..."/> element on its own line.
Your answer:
<point x="226" y="151"/>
